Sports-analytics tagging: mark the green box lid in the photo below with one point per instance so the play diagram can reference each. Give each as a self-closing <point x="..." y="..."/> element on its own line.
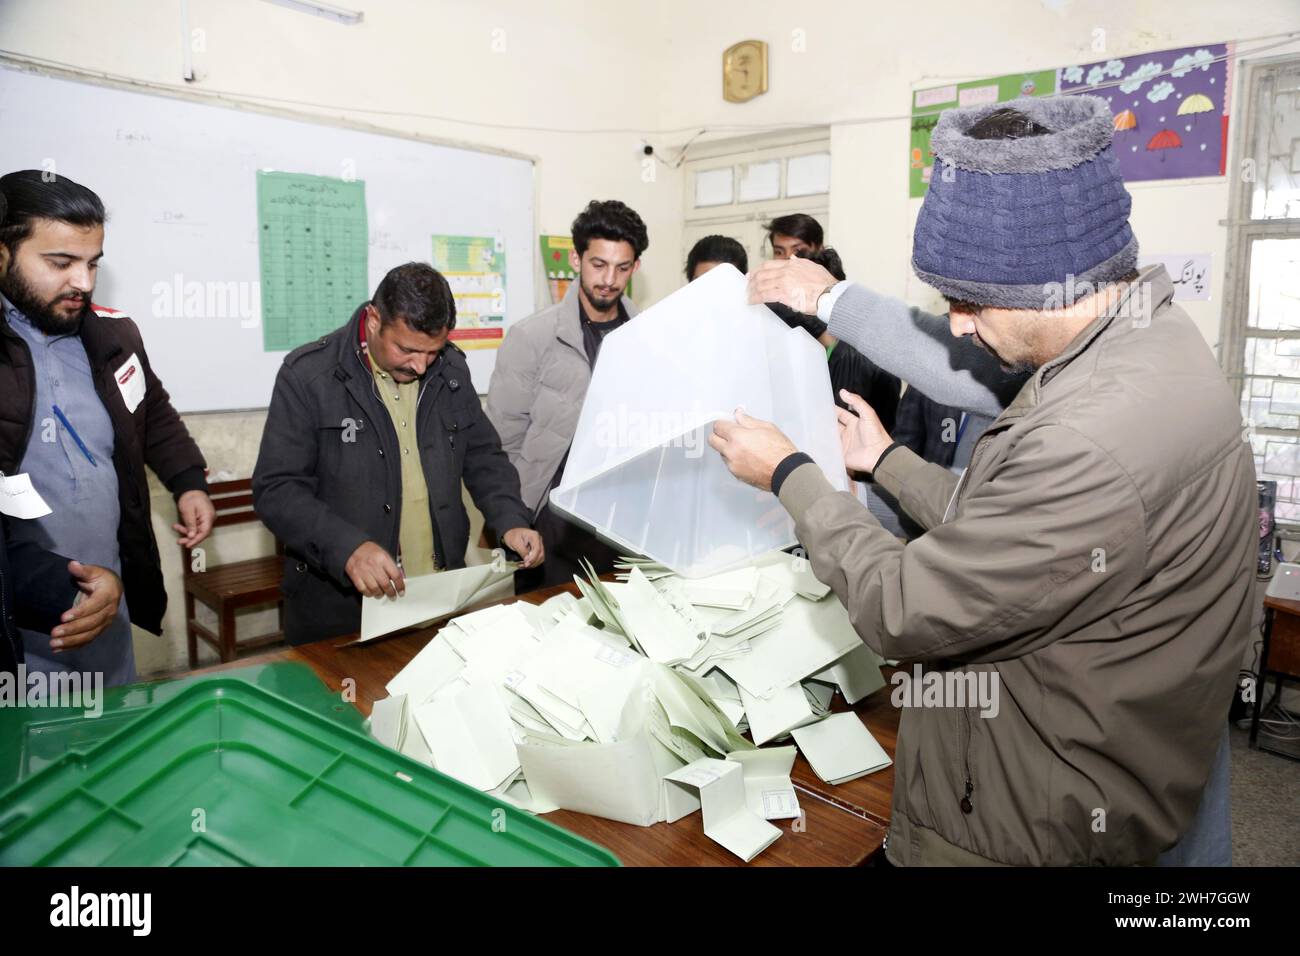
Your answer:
<point x="226" y="772"/>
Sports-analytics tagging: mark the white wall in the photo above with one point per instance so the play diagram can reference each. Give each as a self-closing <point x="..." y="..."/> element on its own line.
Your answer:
<point x="517" y="63"/>
<point x="863" y="59"/>
<point x="633" y="70"/>
<point x="558" y="67"/>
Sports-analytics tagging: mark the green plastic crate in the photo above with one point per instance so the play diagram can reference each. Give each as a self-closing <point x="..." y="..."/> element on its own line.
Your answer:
<point x="32" y="738"/>
<point x="276" y="784"/>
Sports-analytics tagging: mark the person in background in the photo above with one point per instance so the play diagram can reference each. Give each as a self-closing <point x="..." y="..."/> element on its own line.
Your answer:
<point x="942" y="434"/>
<point x="83" y="413"/>
<point x="794" y="234"/>
<point x="799" y="235"/>
<point x="852" y="371"/>
<point x="542" y="372"/>
<point x="849" y="368"/>
<point x="904" y="343"/>
<point x="713" y="251"/>
<point x="370" y="432"/>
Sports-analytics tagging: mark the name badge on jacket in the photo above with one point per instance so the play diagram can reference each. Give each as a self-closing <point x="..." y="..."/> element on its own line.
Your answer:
<point x="130" y="380"/>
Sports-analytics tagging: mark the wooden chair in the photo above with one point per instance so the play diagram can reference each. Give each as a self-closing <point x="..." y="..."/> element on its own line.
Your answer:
<point x="236" y="586"/>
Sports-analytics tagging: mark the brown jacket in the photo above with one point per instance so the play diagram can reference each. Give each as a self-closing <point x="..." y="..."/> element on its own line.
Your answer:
<point x="536" y="391"/>
<point x="152" y="435"/>
<point x="1096" y="557"/>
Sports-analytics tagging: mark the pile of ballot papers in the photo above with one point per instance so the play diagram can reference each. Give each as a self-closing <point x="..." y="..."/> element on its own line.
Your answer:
<point x="630" y="702"/>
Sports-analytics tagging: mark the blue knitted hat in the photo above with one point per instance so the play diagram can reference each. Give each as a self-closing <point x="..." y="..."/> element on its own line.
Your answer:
<point x="1008" y="222"/>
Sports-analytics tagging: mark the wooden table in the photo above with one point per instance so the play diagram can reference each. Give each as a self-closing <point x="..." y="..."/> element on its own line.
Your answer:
<point x="841" y="826"/>
<point x="1280" y="657"/>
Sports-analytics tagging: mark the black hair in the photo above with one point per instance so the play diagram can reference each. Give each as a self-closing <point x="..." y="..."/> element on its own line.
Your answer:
<point x="716" y="249"/>
<point x="827" y="258"/>
<point x="418" y="294"/>
<point x="31" y="194"/>
<point x="612" y="220"/>
<point x="1006" y="123"/>
<point x="799" y="225"/>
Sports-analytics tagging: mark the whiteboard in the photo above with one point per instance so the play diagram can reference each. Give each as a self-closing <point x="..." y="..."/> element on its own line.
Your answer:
<point x="178" y="179"/>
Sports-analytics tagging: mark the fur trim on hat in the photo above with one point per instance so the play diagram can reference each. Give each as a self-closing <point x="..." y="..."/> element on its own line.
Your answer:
<point x="1081" y="126"/>
<point x="1037" y="296"/>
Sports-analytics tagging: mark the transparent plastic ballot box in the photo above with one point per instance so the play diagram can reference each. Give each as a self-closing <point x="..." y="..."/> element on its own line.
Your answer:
<point x="641" y="474"/>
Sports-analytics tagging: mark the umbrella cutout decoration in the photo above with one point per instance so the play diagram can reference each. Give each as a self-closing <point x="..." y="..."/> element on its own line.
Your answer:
<point x="1165" y="139"/>
<point x="1125" y="120"/>
<point x="1195" y="104"/>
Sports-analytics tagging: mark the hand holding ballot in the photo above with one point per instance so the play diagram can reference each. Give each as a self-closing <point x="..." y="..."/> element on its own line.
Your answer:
<point x="526" y="543"/>
<point x="374" y="573"/>
<point x="427" y="597"/>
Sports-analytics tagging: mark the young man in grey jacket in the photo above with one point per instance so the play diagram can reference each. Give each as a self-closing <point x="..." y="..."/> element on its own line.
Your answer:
<point x="1094" y="560"/>
<point x="542" y="372"/>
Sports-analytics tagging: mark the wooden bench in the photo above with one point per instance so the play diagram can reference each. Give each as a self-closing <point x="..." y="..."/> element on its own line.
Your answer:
<point x="232" y="587"/>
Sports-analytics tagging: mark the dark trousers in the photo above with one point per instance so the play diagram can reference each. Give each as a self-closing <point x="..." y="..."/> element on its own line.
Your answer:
<point x="566" y="544"/>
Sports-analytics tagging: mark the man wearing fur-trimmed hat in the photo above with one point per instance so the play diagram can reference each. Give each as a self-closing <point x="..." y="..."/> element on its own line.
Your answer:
<point x="1095" y="556"/>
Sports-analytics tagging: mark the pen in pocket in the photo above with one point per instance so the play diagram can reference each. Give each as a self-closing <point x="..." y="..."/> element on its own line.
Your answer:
<point x="75" y="437"/>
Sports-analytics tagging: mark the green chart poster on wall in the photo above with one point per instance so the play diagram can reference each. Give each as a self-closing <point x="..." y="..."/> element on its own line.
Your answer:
<point x="929" y="103"/>
<point x="313" y="252"/>
<point x="475" y="267"/>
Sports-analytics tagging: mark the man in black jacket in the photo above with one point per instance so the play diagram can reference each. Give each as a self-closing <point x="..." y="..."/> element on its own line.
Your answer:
<point x="849" y="369"/>
<point x="82" y="413"/>
<point x="368" y="436"/>
<point x="943" y="434"/>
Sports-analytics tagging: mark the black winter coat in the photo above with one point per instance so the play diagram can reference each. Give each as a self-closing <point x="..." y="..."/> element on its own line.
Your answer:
<point x="328" y="476"/>
<point x="35" y="590"/>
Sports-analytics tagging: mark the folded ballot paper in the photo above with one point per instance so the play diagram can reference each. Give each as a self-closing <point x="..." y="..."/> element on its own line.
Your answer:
<point x="840" y="748"/>
<point x="640" y="472"/>
<point x="630" y="702"/>
<point x="717" y="789"/>
<point x="768" y="790"/>
<point x="428" y="597"/>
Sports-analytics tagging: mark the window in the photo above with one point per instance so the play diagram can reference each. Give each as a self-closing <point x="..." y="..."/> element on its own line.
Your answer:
<point x="713" y="187"/>
<point x="762" y="169"/>
<point x="1261" y="333"/>
<point x="808" y="175"/>
<point x="735" y="186"/>
<point x="760" y="181"/>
